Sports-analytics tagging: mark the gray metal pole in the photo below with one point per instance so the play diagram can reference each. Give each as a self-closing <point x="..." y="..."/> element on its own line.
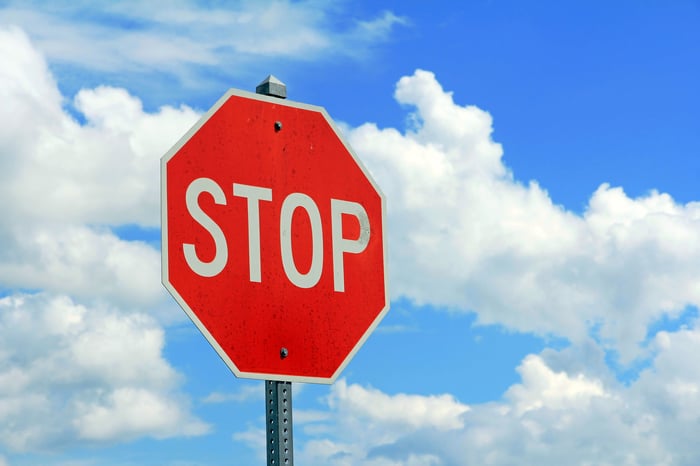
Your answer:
<point x="278" y="403"/>
<point x="278" y="395"/>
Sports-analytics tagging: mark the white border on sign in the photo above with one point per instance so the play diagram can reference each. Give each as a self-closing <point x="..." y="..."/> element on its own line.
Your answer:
<point x="164" y="238"/>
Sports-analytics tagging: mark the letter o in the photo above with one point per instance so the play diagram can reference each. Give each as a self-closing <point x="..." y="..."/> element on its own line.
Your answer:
<point x="290" y="204"/>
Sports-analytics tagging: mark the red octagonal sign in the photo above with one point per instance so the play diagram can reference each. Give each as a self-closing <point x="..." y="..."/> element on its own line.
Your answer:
<point x="273" y="238"/>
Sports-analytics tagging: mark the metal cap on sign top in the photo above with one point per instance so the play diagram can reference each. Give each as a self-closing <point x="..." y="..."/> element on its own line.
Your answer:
<point x="273" y="87"/>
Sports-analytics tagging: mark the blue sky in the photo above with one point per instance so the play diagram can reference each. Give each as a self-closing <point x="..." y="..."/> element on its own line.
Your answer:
<point x="541" y="166"/>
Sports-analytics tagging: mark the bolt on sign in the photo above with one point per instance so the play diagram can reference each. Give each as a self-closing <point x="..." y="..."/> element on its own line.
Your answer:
<point x="273" y="238"/>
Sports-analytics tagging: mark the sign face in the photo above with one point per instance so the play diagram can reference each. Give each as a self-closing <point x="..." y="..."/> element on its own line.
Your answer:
<point x="273" y="238"/>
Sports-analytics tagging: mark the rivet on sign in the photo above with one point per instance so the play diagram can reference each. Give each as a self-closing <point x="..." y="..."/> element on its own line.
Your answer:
<point x="284" y="353"/>
<point x="278" y="125"/>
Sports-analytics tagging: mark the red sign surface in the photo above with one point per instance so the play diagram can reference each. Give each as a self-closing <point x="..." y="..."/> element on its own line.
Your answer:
<point x="273" y="238"/>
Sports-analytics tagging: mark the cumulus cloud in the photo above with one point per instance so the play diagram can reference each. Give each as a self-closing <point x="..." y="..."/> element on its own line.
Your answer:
<point x="83" y="262"/>
<point x="67" y="182"/>
<point x="465" y="234"/>
<point x="440" y="412"/>
<point x="133" y="412"/>
<point x="56" y="169"/>
<point x="544" y="388"/>
<point x="80" y="350"/>
<point x="556" y="414"/>
<point x="69" y="373"/>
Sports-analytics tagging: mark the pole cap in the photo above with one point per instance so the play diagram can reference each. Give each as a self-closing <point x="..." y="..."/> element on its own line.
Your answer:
<point x="273" y="87"/>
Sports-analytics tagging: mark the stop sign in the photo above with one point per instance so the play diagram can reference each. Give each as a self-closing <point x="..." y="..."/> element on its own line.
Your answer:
<point x="273" y="238"/>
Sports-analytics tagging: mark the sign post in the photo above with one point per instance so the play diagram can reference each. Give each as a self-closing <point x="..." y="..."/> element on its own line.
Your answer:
<point x="273" y="243"/>
<point x="278" y="394"/>
<point x="278" y="418"/>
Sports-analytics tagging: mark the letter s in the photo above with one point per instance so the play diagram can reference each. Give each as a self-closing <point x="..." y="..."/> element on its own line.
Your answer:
<point x="213" y="268"/>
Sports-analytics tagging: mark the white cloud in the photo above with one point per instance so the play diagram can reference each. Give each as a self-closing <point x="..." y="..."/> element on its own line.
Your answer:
<point x="133" y="412"/>
<point x="68" y="181"/>
<point x="83" y="262"/>
<point x="69" y="372"/>
<point x="147" y="37"/>
<point x="372" y="418"/>
<point x="105" y="171"/>
<point x="544" y="388"/>
<point x="551" y="417"/>
<point x="440" y="412"/>
<point x="465" y="234"/>
<point x="80" y="360"/>
<point x="81" y="356"/>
